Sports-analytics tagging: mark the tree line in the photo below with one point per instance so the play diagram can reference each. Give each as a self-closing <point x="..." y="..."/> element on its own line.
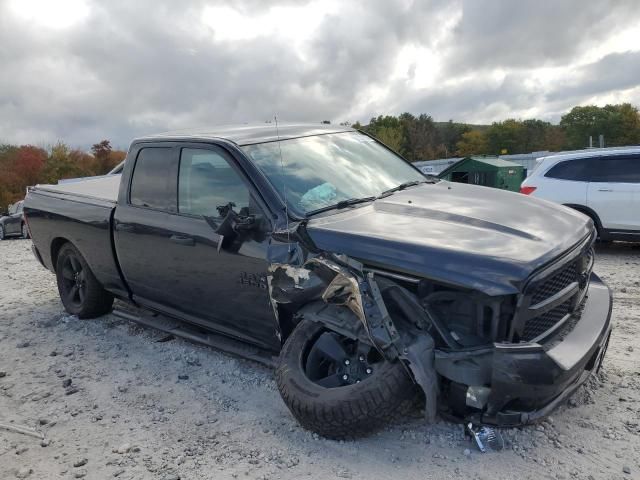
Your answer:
<point x="416" y="137"/>
<point x="421" y="138"/>
<point x="25" y="165"/>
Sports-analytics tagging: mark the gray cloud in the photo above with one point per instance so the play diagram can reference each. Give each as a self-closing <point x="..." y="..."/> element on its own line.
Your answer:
<point x="131" y="68"/>
<point x="616" y="71"/>
<point x="530" y="33"/>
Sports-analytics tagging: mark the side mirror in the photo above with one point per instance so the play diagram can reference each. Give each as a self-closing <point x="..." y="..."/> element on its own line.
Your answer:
<point x="234" y="225"/>
<point x="246" y="223"/>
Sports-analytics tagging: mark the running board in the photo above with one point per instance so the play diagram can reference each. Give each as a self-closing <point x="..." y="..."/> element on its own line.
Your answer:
<point x="199" y="335"/>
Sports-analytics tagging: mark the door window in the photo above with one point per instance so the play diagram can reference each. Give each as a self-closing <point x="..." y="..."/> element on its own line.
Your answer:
<point x="207" y="184"/>
<point x="151" y="185"/>
<point x="623" y="169"/>
<point x="579" y="170"/>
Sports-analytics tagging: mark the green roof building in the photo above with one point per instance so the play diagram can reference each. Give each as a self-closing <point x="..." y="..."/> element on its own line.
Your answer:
<point x="487" y="171"/>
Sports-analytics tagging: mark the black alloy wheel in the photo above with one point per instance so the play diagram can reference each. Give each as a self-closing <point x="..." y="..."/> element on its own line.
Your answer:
<point x="74" y="282"/>
<point x="335" y="361"/>
<point x="338" y="387"/>
<point x="81" y="293"/>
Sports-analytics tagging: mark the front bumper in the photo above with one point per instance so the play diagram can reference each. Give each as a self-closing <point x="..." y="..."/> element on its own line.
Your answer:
<point x="530" y="380"/>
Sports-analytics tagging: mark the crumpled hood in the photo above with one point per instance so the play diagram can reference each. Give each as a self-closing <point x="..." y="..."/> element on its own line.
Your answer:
<point x="477" y="237"/>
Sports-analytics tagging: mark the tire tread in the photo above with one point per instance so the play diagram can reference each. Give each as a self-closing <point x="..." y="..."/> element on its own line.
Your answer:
<point x="376" y="402"/>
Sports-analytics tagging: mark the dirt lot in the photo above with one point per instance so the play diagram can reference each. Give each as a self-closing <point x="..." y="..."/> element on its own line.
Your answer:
<point x="138" y="408"/>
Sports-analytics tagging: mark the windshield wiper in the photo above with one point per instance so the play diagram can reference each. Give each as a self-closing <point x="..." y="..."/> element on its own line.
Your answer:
<point x="402" y="186"/>
<point x="342" y="204"/>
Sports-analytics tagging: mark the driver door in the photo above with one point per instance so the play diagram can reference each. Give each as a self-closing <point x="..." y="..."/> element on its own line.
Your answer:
<point x="220" y="279"/>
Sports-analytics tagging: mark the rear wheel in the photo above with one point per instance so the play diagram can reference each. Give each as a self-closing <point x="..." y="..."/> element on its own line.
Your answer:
<point x="80" y="292"/>
<point x="338" y="387"/>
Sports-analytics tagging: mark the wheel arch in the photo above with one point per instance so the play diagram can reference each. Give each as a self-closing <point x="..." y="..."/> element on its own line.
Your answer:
<point x="57" y="244"/>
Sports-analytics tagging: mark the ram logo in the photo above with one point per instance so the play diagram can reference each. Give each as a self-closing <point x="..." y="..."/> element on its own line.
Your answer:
<point x="253" y="280"/>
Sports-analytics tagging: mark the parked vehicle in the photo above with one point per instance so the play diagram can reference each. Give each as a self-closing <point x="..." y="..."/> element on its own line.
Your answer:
<point x="602" y="184"/>
<point x="371" y="284"/>
<point x="13" y="224"/>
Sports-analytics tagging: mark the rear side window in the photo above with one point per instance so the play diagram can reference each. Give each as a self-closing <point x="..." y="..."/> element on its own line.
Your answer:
<point x="151" y="185"/>
<point x="207" y="183"/>
<point x="623" y="169"/>
<point x="579" y="170"/>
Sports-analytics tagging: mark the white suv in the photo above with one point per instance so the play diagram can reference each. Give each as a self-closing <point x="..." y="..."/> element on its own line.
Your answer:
<point x="603" y="184"/>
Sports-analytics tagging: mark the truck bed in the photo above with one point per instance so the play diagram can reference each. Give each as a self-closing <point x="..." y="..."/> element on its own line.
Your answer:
<point x="100" y="188"/>
<point x="78" y="211"/>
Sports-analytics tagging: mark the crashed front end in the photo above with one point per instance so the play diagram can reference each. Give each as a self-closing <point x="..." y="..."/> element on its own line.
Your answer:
<point x="501" y="360"/>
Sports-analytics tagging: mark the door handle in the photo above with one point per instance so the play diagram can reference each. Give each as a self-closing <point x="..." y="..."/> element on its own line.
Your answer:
<point x="183" y="240"/>
<point x="605" y="190"/>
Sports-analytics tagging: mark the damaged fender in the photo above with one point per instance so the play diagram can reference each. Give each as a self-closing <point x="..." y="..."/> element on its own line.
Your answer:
<point x="323" y="285"/>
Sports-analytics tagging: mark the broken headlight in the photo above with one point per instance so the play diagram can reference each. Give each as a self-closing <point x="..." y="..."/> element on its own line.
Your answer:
<point x="469" y="318"/>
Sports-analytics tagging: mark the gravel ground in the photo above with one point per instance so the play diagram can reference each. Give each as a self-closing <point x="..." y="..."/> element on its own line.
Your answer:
<point x="114" y="401"/>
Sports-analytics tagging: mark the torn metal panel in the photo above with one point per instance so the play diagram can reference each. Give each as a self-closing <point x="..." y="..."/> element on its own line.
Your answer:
<point x="339" y="282"/>
<point x="418" y="356"/>
<point x="343" y="290"/>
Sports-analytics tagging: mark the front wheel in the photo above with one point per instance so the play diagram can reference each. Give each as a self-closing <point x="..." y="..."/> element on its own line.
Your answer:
<point x="80" y="292"/>
<point x="337" y="387"/>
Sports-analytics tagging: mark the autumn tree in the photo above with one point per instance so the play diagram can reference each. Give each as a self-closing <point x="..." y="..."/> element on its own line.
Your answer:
<point x="388" y="130"/>
<point x="624" y="125"/>
<point x="449" y="134"/>
<point x="102" y="153"/>
<point x="620" y="125"/>
<point x="555" y="138"/>
<point x="20" y="167"/>
<point x="420" y="137"/>
<point x="473" y="142"/>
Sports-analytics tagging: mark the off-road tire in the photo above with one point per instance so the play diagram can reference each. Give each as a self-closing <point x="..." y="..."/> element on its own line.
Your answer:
<point x="346" y="412"/>
<point x="96" y="301"/>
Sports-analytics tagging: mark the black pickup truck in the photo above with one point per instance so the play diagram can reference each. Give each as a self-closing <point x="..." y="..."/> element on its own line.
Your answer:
<point x="372" y="286"/>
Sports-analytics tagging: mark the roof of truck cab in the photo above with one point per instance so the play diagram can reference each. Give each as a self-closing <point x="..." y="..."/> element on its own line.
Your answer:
<point x="248" y="134"/>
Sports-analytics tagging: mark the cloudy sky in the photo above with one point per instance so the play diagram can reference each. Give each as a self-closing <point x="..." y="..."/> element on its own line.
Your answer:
<point x="84" y="70"/>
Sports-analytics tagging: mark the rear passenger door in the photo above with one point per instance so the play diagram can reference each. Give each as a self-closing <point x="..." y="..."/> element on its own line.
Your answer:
<point x="142" y="223"/>
<point x="614" y="192"/>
